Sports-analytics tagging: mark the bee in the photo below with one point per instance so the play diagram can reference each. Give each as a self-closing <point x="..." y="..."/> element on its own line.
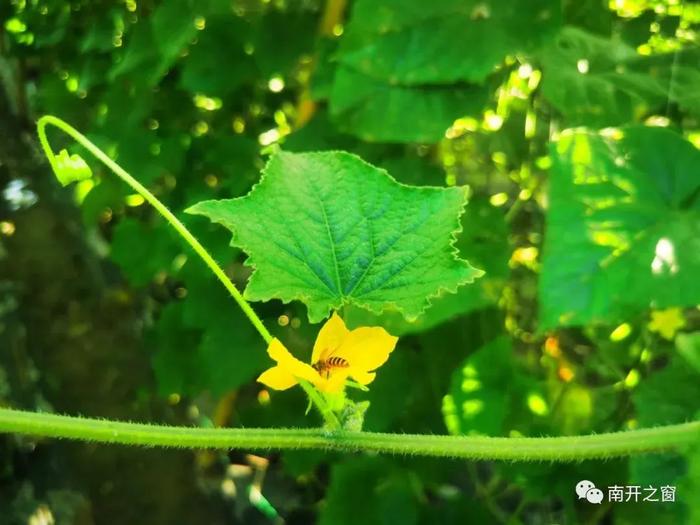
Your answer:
<point x="325" y="366"/>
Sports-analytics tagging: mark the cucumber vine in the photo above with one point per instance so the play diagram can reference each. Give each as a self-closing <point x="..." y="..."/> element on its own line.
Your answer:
<point x="331" y="437"/>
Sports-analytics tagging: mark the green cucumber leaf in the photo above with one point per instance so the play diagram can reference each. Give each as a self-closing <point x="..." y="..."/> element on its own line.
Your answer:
<point x="328" y="229"/>
<point x="477" y="403"/>
<point x="598" y="81"/>
<point x="414" y="42"/>
<point x="623" y="226"/>
<point x="688" y="346"/>
<point x="484" y="240"/>
<point x="390" y="494"/>
<point x="376" y="110"/>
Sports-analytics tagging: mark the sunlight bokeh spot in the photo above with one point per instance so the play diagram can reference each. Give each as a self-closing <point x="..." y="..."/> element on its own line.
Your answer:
<point x="275" y="84"/>
<point x="470" y="385"/>
<point x="238" y="125"/>
<point x="472" y="407"/>
<point x="525" y="70"/>
<point x="449" y="414"/>
<point x="620" y="333"/>
<point x="498" y="199"/>
<point x="134" y="200"/>
<point x="632" y="379"/>
<point x="207" y="103"/>
<point x="492" y="121"/>
<point x="41" y="516"/>
<point x="469" y="371"/>
<point x="269" y="137"/>
<point x="537" y="404"/>
<point x="664" y="257"/>
<point x="264" y="397"/>
<point x="565" y="373"/>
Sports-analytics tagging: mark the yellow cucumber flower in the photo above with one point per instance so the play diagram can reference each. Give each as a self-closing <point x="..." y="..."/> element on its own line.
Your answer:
<point x="338" y="354"/>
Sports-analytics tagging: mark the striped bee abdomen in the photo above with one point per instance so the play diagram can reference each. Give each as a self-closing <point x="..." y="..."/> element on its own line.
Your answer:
<point x="329" y="364"/>
<point x="338" y="362"/>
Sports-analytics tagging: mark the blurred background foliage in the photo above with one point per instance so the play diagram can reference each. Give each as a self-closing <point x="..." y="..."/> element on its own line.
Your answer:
<point x="574" y="124"/>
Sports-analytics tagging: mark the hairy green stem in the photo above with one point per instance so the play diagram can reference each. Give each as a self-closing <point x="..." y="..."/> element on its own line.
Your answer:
<point x="153" y="201"/>
<point x="575" y="448"/>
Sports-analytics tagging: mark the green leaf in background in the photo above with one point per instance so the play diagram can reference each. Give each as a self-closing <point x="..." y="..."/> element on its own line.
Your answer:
<point x="409" y="392"/>
<point x="142" y="250"/>
<point x="586" y="77"/>
<point x="623" y="226"/>
<point x="203" y="342"/>
<point x="296" y="26"/>
<point x="329" y="229"/>
<point x="689" y="485"/>
<point x="656" y="470"/>
<point x="670" y="395"/>
<point x="414" y="42"/>
<point x="376" y="110"/>
<point x="99" y="35"/>
<point x="237" y="173"/>
<point x="484" y="241"/>
<point x="681" y="78"/>
<point x="355" y="497"/>
<point x="217" y="65"/>
<point x="151" y="156"/>
<point x="478" y="403"/>
<point x="688" y="346"/>
<point x="157" y="42"/>
<point x="175" y="362"/>
<point x="399" y="61"/>
<point x="597" y="81"/>
<point x="414" y="170"/>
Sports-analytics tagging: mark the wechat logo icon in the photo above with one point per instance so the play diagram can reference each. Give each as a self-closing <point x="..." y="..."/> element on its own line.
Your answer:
<point x="587" y="490"/>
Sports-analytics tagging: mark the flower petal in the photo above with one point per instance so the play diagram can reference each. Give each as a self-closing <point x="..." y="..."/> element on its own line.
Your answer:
<point x="277" y="378"/>
<point x="362" y="377"/>
<point x="329" y="338"/>
<point x="291" y="364"/>
<point x="335" y="382"/>
<point x="367" y="348"/>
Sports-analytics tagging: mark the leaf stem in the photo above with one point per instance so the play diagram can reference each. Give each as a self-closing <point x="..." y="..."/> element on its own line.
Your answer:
<point x="560" y="449"/>
<point x="153" y="201"/>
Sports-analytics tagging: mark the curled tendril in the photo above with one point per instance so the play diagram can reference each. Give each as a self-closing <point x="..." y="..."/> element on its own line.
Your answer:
<point x="70" y="168"/>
